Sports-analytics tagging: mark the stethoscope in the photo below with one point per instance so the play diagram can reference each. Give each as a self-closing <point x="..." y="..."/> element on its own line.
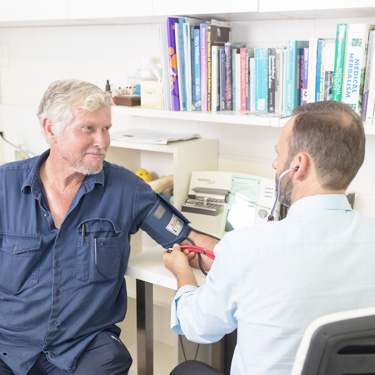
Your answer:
<point x="271" y="215"/>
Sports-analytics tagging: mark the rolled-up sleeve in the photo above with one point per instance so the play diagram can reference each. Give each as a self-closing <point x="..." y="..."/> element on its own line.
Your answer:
<point x="207" y="313"/>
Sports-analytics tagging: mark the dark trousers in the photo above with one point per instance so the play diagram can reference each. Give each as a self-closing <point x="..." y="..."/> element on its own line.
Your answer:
<point x="194" y="368"/>
<point x="106" y="355"/>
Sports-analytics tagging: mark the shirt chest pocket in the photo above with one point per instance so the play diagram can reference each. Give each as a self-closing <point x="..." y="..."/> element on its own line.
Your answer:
<point x="98" y="251"/>
<point x="19" y="262"/>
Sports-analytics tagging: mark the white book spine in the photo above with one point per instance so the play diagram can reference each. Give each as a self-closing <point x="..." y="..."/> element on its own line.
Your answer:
<point x="311" y="84"/>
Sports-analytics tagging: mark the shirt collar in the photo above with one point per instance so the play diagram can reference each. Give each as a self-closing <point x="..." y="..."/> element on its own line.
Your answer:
<point x="34" y="182"/>
<point x="320" y="202"/>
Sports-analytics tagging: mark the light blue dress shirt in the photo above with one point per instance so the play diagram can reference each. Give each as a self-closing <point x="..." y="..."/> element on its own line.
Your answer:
<point x="271" y="280"/>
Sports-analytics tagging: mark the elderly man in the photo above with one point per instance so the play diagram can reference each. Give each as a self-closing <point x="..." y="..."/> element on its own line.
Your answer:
<point x="271" y="280"/>
<point x="66" y="218"/>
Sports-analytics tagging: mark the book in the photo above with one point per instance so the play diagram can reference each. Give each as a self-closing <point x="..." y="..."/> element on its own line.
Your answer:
<point x="237" y="84"/>
<point x="222" y="79"/>
<point x="368" y="104"/>
<point x="187" y="65"/>
<point x="218" y="33"/>
<point x="271" y="100"/>
<point x="215" y="86"/>
<point x="304" y="63"/>
<point x="340" y="46"/>
<point x="243" y="74"/>
<point x="167" y="103"/>
<point x="228" y="72"/>
<point x="319" y="71"/>
<point x="192" y="70"/>
<point x="209" y="68"/>
<point x="197" y="70"/>
<point x="252" y="83"/>
<point x="261" y="80"/>
<point x="311" y="80"/>
<point x="249" y="55"/>
<point x="280" y="80"/>
<point x="180" y="64"/>
<point x="203" y="46"/>
<point x="172" y="63"/>
<point x="291" y="88"/>
<point x="355" y="64"/>
<point x="328" y="68"/>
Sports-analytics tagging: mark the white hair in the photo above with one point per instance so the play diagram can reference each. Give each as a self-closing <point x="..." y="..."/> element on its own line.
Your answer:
<point x="63" y="96"/>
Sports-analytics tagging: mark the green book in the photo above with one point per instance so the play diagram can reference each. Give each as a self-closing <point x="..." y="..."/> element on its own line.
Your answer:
<point x="339" y="61"/>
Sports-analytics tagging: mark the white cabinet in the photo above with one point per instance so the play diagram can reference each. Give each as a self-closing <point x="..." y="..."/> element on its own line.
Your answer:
<point x="98" y="9"/>
<point x="294" y="5"/>
<point x="196" y="7"/>
<point x="27" y="10"/>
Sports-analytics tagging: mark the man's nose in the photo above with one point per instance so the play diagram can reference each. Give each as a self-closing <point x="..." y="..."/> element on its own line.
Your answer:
<point x="101" y="139"/>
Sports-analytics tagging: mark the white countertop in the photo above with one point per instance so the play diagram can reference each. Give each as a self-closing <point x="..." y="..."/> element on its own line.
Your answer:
<point x="148" y="266"/>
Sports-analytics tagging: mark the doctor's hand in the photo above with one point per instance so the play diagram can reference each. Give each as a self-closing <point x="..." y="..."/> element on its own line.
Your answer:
<point x="178" y="263"/>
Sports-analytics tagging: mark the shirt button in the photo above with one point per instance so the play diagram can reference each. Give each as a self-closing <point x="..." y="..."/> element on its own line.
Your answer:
<point x="54" y="323"/>
<point x="46" y="214"/>
<point x="58" y="263"/>
<point x="57" y="292"/>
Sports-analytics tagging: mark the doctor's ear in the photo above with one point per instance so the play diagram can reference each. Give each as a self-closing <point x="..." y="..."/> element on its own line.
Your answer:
<point x="301" y="163"/>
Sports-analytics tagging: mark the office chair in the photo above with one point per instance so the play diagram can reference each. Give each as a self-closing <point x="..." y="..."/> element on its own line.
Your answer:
<point x="336" y="344"/>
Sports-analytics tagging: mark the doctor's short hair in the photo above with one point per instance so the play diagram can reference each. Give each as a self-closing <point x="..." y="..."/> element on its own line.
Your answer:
<point x="63" y="96"/>
<point x="332" y="134"/>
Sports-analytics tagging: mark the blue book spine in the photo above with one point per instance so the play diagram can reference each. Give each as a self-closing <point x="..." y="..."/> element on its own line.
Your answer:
<point x="222" y="79"/>
<point x="261" y="82"/>
<point x="291" y="77"/>
<point x="319" y="71"/>
<point x="197" y="70"/>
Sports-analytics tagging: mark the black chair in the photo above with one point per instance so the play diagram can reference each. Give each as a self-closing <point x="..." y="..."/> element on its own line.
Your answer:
<point x="336" y="344"/>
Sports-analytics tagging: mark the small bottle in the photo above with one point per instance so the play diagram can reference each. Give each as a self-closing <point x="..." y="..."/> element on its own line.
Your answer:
<point x="108" y="87"/>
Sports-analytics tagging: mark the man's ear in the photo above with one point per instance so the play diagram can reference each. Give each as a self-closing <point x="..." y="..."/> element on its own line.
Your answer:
<point x="302" y="164"/>
<point x="49" y="128"/>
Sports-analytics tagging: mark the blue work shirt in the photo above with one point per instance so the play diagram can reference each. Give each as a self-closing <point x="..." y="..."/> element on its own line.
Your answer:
<point x="60" y="287"/>
<point x="271" y="280"/>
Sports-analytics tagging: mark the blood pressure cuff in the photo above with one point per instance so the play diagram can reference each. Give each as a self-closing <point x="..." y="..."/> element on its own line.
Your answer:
<point x="165" y="224"/>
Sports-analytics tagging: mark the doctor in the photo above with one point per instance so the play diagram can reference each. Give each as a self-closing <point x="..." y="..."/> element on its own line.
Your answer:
<point x="271" y="280"/>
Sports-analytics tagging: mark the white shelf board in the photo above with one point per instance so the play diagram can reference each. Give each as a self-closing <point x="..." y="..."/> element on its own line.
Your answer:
<point x="223" y="117"/>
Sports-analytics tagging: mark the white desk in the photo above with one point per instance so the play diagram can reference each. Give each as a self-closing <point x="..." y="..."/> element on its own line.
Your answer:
<point x="148" y="270"/>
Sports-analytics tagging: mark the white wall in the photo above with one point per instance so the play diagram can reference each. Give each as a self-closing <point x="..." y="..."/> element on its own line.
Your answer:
<point x="40" y="55"/>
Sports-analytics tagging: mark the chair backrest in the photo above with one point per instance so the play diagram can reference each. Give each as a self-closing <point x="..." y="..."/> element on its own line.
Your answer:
<point x="338" y="344"/>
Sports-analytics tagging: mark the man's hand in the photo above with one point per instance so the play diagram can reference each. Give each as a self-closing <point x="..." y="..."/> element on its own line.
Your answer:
<point x="178" y="263"/>
<point x="204" y="241"/>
